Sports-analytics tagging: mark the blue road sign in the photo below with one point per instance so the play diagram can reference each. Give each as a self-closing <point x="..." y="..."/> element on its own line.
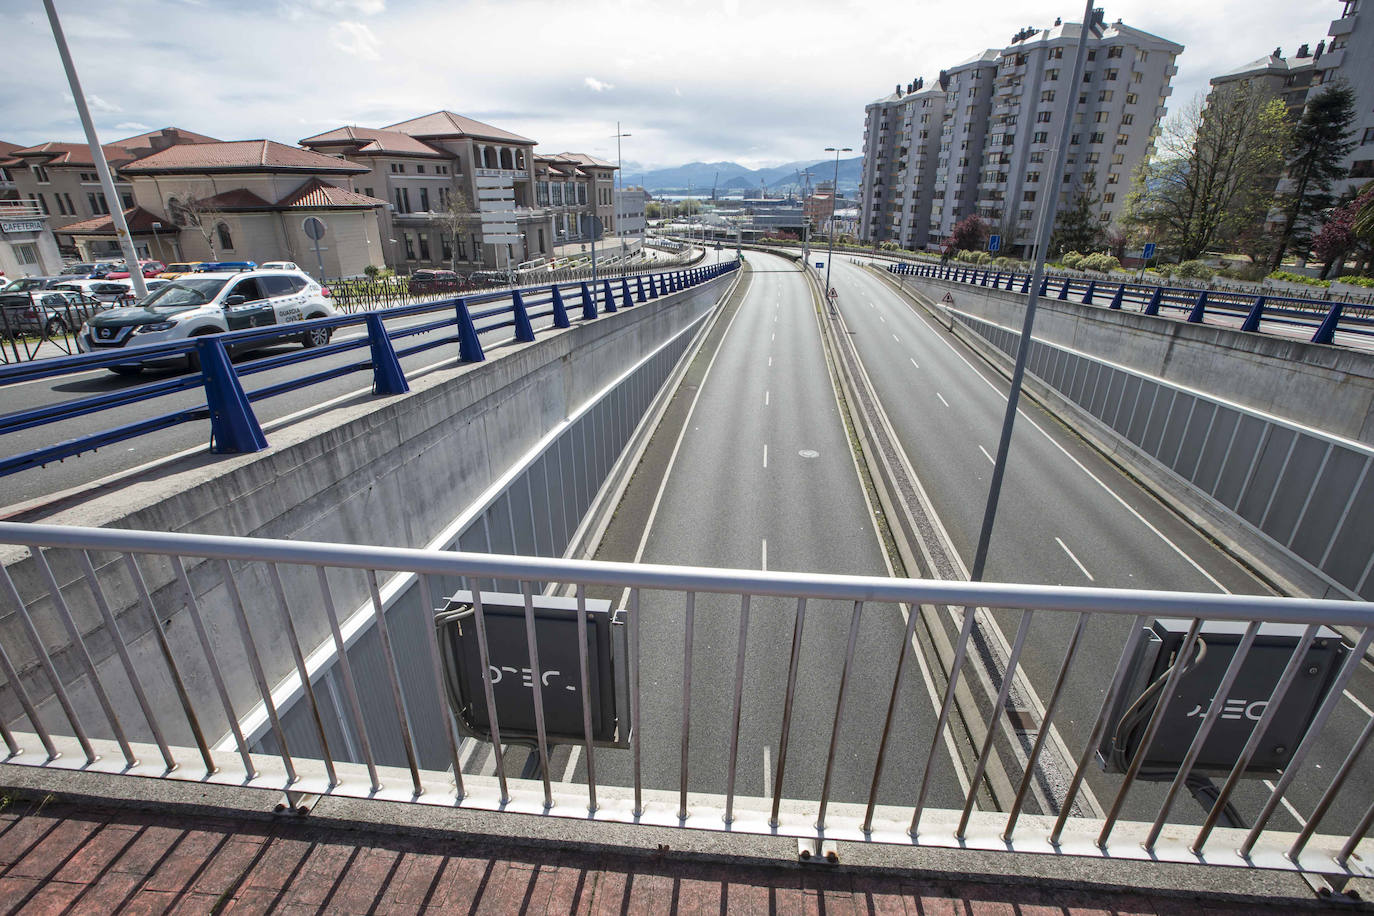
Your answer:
<point x="994" y="243"/>
<point x="1149" y="251"/>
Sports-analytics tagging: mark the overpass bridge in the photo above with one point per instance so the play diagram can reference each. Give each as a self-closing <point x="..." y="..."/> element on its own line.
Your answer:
<point x="707" y="446"/>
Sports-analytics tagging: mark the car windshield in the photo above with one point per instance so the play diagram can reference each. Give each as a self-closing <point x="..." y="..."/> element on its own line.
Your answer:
<point x="185" y="293"/>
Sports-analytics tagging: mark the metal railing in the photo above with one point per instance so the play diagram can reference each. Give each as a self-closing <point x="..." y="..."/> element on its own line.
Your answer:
<point x="132" y="652"/>
<point x="233" y="426"/>
<point x="1253" y="312"/>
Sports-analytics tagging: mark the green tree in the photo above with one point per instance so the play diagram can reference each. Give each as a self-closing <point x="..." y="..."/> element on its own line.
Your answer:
<point x="1213" y="176"/>
<point x="455" y="217"/>
<point x="1077" y="228"/>
<point x="1319" y="142"/>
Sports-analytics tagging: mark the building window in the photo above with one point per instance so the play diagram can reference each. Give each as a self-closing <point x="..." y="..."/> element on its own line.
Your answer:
<point x="61" y="207"/>
<point x="1052" y="74"/>
<point x="98" y="205"/>
<point x="1075" y="139"/>
<point x="40" y="174"/>
<point x="445" y="248"/>
<point x="1037" y="156"/>
<point x="1041" y="136"/>
<point x="424" y="203"/>
<point x="26" y="253"/>
<point x="1123" y="139"/>
<point x="1367" y="138"/>
<point x="1087" y="76"/>
<point x="226" y="241"/>
<point x="1127" y="119"/>
<point x="1132" y="98"/>
<point x="367" y="192"/>
<point x="420" y="170"/>
<point x="127" y="199"/>
<point x="1106" y="216"/>
<point x="1047" y="95"/>
<point x="1142" y="56"/>
<point x="410" y="246"/>
<point x="1112" y="74"/>
<point x="1092" y="54"/>
<point x="1137" y="76"/>
<point x="1362" y="169"/>
<point x="1028" y="196"/>
<point x="1109" y="197"/>
<point x="424" y="247"/>
<point x="1115" y="51"/>
<point x="443" y="198"/>
<point x="1032" y="177"/>
<point x="1113" y="178"/>
<point x="1097" y="138"/>
<point x="1043" y="117"/>
<point x="43" y="205"/>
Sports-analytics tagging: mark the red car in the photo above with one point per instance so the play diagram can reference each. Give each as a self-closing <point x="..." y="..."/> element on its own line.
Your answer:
<point x="150" y="269"/>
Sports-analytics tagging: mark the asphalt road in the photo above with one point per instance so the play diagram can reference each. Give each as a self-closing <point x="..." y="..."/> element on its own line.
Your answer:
<point x="1066" y="517"/>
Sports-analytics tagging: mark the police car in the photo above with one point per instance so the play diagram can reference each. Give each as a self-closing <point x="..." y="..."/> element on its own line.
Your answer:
<point x="209" y="303"/>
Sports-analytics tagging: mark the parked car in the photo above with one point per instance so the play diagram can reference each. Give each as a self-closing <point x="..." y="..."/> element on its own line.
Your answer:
<point x="81" y="269"/>
<point x="180" y="268"/>
<point x="480" y="278"/>
<point x="149" y="268"/>
<point x="110" y="291"/>
<point x="426" y="281"/>
<point x="209" y="303"/>
<point x="24" y="284"/>
<point x="279" y="265"/>
<point x="209" y="266"/>
<point x="45" y="312"/>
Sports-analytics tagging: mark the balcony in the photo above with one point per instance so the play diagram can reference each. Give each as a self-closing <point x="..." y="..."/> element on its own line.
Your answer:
<point x="1332" y="59"/>
<point x="11" y="210"/>
<point x="1341" y="26"/>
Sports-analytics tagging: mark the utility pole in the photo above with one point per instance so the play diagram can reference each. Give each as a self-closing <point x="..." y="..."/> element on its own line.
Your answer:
<point x="834" y="186"/>
<point x="620" y="182"/>
<point x="102" y="168"/>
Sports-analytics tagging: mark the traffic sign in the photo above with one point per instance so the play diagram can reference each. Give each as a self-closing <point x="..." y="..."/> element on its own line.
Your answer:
<point x="1149" y="251"/>
<point x="994" y="243"/>
<point x="313" y="227"/>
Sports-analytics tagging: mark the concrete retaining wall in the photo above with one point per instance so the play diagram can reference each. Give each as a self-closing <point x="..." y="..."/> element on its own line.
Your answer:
<point x="393" y="471"/>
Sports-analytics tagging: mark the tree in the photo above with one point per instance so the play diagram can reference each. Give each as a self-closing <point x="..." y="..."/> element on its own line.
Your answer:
<point x="653" y="210"/>
<point x="1338" y="237"/>
<point x="969" y="234"/>
<point x="1077" y="228"/>
<point x="190" y="212"/>
<point x="1318" y="144"/>
<point x="1213" y="176"/>
<point x="454" y="217"/>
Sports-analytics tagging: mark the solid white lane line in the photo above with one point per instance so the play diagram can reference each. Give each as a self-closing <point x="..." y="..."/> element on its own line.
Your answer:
<point x="765" y="454"/>
<point x="991" y="460"/>
<point x="914" y="363"/>
<point x="572" y="763"/>
<point x="764" y="555"/>
<point x="942" y="398"/>
<point x="767" y="773"/>
<point x="1093" y="477"/>
<point x="1363" y="708"/>
<point x="1075" y="559"/>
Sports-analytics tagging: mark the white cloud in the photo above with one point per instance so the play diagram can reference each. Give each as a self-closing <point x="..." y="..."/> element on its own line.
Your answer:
<point x="133" y="125"/>
<point x="297" y="9"/>
<point x="595" y="85"/>
<point x="356" y="39"/>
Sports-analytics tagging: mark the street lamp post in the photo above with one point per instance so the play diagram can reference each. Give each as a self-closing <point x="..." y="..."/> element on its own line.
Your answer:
<point x="834" y="192"/>
<point x="620" y="182"/>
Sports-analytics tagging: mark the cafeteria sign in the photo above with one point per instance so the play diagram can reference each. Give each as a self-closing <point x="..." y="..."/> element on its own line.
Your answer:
<point x="22" y="225"/>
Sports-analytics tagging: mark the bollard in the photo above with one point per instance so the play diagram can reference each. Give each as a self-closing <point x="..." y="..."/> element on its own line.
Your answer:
<point x="1199" y="308"/>
<point x="233" y="427"/>
<point x="588" y="303"/>
<point x="1044" y="286"/>
<point x="387" y="377"/>
<point x="625" y="299"/>
<point x="639" y="281"/>
<point x="1088" y="295"/>
<point x="607" y="297"/>
<point x="469" y="345"/>
<point x="524" y="331"/>
<point x="560" y="312"/>
<point x="1152" y="307"/>
<point x="1327" y="332"/>
<point x="1120" y="295"/>
<point x="1252" y="320"/>
<point x="1064" y="290"/>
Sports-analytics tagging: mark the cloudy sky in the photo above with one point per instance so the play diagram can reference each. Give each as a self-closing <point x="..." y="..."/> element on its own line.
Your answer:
<point x="759" y="83"/>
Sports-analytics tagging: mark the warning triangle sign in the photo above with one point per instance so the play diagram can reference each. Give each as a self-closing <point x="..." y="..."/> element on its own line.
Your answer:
<point x="948" y="298"/>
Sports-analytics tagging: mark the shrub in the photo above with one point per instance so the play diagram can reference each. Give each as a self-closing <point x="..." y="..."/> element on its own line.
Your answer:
<point x="371" y="271"/>
<point x="1354" y="280"/>
<point x="1073" y="260"/>
<point x="1102" y="263"/>
<point x="1195" y="270"/>
<point x="1006" y="263"/>
<point x="1284" y="276"/>
<point x="1247" y="272"/>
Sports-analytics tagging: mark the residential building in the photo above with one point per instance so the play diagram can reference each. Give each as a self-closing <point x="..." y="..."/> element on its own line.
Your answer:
<point x="601" y="186"/>
<point x="630" y="223"/>
<point x="244" y="200"/>
<point x="1288" y="79"/>
<point x="1002" y="113"/>
<point x="62" y="177"/>
<point x="1350" y="57"/>
<point x="27" y="245"/>
<point x="8" y="189"/>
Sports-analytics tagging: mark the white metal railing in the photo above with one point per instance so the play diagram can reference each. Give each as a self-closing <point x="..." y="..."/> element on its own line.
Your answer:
<point x="122" y="706"/>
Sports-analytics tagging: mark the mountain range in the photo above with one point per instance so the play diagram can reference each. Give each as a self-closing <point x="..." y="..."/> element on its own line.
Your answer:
<point x="702" y="176"/>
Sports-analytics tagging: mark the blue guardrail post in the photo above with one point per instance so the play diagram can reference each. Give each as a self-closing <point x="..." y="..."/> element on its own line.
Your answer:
<point x="524" y="331"/>
<point x="469" y="346"/>
<point x="1252" y="320"/>
<point x="1327" y="332"/>
<point x="640" y="282"/>
<point x="1199" y="309"/>
<point x="233" y="427"/>
<point x="387" y="377"/>
<point x="588" y="303"/>
<point x="607" y="297"/>
<point x="1152" y="308"/>
<point x="1118" y="296"/>
<point x="560" y="311"/>
<point x="626" y="300"/>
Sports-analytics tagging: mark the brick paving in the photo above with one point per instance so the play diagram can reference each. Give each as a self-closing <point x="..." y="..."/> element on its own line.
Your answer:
<point x="65" y="858"/>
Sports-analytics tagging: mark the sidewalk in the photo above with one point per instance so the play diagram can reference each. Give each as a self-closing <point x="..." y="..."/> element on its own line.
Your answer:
<point x="69" y="858"/>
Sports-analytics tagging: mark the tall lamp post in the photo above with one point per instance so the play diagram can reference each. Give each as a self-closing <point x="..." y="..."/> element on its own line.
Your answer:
<point x="620" y="182"/>
<point x="834" y="192"/>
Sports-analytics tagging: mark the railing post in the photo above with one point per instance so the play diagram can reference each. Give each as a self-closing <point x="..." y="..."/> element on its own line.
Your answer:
<point x="1025" y="283"/>
<point x="524" y="331"/>
<point x="1199" y="308"/>
<point x="1152" y="307"/>
<point x="1064" y="290"/>
<point x="1088" y="294"/>
<point x="1044" y="287"/>
<point x="1252" y="320"/>
<point x="1118" y="296"/>
<point x="639" y="281"/>
<point x="608" y="297"/>
<point x="626" y="300"/>
<point x="233" y="427"/>
<point x="1327" y="332"/>
<point x="588" y="303"/>
<point x="469" y="345"/>
<point x="387" y="377"/>
<point x="560" y="311"/>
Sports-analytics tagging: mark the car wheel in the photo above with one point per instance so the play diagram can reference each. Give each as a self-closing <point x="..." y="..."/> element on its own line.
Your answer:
<point x="55" y="327"/>
<point x="316" y="337"/>
<point x="126" y="370"/>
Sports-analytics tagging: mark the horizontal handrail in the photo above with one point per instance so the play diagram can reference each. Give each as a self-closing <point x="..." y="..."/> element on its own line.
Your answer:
<point x="235" y="429"/>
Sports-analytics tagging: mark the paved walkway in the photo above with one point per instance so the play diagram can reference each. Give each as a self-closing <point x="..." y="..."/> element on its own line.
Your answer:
<point x="64" y="858"/>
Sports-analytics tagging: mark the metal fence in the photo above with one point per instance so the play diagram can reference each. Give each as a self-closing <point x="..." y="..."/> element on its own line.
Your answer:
<point x="235" y="429"/>
<point x="214" y="623"/>
<point x="45" y="327"/>
<point x="1250" y="313"/>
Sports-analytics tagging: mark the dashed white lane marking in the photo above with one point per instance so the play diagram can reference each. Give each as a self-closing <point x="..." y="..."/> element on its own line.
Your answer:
<point x="942" y="398"/>
<point x="1363" y="708"/>
<point x="767" y="395"/>
<point x="990" y="459"/>
<point x="765" y="454"/>
<point x="896" y="338"/>
<point x="1287" y="804"/>
<point x="571" y="768"/>
<point x="763" y="555"/>
<point x="770" y="362"/>
<point x="767" y="773"/>
<point x="774" y="336"/>
<point x="882" y="319"/>
<point x="1075" y="559"/>
<point x="914" y="363"/>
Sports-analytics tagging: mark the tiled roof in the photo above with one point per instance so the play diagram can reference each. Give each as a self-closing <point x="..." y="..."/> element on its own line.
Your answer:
<point x="180" y="132"/>
<point x="140" y="222"/>
<point x="71" y="154"/>
<point x="315" y="194"/>
<point x="5" y="150"/>
<point x="448" y="124"/>
<point x="236" y="199"/>
<point x="584" y="159"/>
<point x="375" y="141"/>
<point x="240" y="156"/>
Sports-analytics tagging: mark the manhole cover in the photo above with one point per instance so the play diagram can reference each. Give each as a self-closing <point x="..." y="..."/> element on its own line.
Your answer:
<point x="808" y="453"/>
